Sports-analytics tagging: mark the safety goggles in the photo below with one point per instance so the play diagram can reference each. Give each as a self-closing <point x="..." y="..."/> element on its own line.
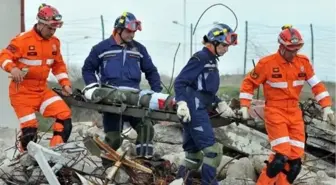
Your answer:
<point x="133" y="25"/>
<point x="229" y="38"/>
<point x="57" y="24"/>
<point x="52" y="23"/>
<point x="293" y="45"/>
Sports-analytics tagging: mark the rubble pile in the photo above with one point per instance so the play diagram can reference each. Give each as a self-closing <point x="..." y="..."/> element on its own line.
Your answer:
<point x="245" y="150"/>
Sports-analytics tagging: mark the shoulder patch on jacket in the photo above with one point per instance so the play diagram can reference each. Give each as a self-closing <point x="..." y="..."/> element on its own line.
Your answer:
<point x="12" y="48"/>
<point x="253" y="74"/>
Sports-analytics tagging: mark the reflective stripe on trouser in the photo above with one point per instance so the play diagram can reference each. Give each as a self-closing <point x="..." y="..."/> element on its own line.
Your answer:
<point x="53" y="106"/>
<point x="25" y="106"/>
<point x="48" y="103"/>
<point x="198" y="135"/>
<point x="285" y="128"/>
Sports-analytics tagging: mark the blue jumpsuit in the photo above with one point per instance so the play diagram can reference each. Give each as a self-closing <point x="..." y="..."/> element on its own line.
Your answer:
<point x="120" y="67"/>
<point x="197" y="84"/>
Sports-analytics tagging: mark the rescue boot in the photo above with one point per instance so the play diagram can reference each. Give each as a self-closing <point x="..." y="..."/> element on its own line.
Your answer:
<point x="56" y="140"/>
<point x="144" y="144"/>
<point x="184" y="173"/>
<point x="28" y="134"/>
<point x="62" y="130"/>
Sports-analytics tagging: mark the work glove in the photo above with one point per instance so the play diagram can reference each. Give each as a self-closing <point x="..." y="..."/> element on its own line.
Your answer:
<point x="243" y="111"/>
<point x="183" y="111"/>
<point x="224" y="110"/>
<point x="328" y="115"/>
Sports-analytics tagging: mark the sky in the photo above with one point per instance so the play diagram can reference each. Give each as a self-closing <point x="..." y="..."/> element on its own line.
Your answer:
<point x="82" y="29"/>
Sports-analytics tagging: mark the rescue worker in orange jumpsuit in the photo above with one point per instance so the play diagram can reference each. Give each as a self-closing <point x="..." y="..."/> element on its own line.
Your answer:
<point x="283" y="75"/>
<point x="29" y="58"/>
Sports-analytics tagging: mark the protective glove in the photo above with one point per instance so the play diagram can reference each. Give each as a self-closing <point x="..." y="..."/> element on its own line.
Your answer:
<point x="224" y="109"/>
<point x="243" y="111"/>
<point x="183" y="111"/>
<point x="328" y="115"/>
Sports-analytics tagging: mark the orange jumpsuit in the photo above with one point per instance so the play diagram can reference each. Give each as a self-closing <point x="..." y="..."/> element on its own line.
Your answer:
<point x="29" y="50"/>
<point x="282" y="84"/>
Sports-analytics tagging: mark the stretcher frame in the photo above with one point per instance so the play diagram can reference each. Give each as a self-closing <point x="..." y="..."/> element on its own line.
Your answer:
<point x="77" y="100"/>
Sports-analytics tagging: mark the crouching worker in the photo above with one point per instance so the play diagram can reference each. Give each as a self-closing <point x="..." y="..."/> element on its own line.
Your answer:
<point x="29" y="58"/>
<point x="120" y="61"/>
<point x="195" y="92"/>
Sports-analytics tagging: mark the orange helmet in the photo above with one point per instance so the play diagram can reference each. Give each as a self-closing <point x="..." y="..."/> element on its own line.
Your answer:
<point x="290" y="38"/>
<point x="50" y="16"/>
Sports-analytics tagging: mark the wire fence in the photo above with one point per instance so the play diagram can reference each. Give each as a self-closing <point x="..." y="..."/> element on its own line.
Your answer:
<point x="255" y="41"/>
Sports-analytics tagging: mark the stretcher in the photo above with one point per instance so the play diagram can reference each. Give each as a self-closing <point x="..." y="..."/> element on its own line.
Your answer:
<point x="153" y="110"/>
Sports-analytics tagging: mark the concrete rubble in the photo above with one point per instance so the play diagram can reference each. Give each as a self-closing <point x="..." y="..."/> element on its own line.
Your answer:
<point x="245" y="151"/>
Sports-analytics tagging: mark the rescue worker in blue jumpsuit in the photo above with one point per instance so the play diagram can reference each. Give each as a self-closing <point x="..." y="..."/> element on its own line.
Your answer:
<point x="195" y="92"/>
<point x="119" y="62"/>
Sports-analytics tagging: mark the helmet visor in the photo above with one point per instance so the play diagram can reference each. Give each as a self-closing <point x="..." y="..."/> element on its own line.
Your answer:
<point x="133" y="25"/>
<point x="52" y="23"/>
<point x="228" y="38"/>
<point x="231" y="39"/>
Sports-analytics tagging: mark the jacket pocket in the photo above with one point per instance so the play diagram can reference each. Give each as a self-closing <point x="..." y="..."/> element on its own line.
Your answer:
<point x="211" y="79"/>
<point x="133" y="65"/>
<point x="112" y="66"/>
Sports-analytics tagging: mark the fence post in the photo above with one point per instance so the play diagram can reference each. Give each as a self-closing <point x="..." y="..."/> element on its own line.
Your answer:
<point x="312" y="44"/>
<point x="245" y="52"/>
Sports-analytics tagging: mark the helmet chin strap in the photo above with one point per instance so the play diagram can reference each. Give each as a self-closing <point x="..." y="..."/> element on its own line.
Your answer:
<point x="122" y="40"/>
<point x="215" y="44"/>
<point x="39" y="31"/>
<point x="282" y="51"/>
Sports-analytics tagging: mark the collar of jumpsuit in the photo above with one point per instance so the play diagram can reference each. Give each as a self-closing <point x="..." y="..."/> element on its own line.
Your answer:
<point x="282" y="60"/>
<point x="113" y="42"/>
<point x="37" y="34"/>
<point x="210" y="54"/>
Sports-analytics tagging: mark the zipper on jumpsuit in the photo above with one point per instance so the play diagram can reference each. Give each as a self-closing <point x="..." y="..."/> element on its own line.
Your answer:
<point x="124" y="60"/>
<point x="124" y="56"/>
<point x="41" y="64"/>
<point x="290" y="67"/>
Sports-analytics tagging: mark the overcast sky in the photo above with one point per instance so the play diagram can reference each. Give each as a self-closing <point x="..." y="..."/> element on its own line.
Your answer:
<point x="82" y="28"/>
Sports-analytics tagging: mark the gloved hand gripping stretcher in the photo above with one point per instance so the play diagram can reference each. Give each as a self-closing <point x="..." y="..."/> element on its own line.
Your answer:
<point x="136" y="103"/>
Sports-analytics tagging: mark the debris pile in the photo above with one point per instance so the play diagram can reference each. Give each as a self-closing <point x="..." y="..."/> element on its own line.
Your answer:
<point x="79" y="161"/>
